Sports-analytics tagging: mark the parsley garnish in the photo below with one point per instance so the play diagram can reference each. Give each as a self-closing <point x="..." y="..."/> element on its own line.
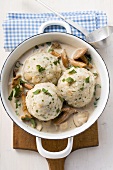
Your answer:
<point x="17" y="104"/>
<point x="33" y="122"/>
<point x="16" y="112"/>
<point x="76" y="66"/>
<point x="69" y="80"/>
<point x="18" y="64"/>
<point x="61" y="99"/>
<point x="17" y="91"/>
<point x="46" y="92"/>
<point x="22" y="82"/>
<point x="96" y="101"/>
<point x="39" y="68"/>
<point x="56" y="62"/>
<point x="82" y="88"/>
<point x="37" y="91"/>
<point x="10" y="96"/>
<point x="72" y="72"/>
<point x="96" y="86"/>
<point x="87" y="80"/>
<point x="50" y="49"/>
<point x="95" y="74"/>
<point x="63" y="80"/>
<point x="48" y="43"/>
<point x="58" y="110"/>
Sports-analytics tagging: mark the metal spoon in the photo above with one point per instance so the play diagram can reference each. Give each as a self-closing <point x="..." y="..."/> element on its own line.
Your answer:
<point x="99" y="38"/>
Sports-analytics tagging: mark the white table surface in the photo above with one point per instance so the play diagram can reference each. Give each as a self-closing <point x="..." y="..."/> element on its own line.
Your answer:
<point x="97" y="158"/>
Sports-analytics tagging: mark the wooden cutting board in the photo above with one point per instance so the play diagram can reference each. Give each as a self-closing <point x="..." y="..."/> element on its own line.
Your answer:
<point x="23" y="140"/>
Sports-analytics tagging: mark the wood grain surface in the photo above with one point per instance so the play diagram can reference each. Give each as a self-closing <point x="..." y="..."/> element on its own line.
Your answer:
<point x="24" y="140"/>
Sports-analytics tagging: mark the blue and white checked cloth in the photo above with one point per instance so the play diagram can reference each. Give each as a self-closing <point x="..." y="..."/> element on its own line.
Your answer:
<point x="20" y="26"/>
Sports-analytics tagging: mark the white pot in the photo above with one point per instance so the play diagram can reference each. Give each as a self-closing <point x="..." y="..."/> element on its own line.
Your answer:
<point x="63" y="38"/>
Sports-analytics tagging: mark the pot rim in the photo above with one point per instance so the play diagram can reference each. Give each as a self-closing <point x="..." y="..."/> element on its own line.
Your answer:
<point x="63" y="134"/>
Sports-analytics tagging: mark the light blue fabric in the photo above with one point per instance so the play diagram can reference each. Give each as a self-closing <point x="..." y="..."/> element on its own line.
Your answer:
<point x="20" y="26"/>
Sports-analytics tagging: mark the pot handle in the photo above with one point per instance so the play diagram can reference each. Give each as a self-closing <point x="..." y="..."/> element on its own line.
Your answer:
<point x="54" y="155"/>
<point x="49" y="23"/>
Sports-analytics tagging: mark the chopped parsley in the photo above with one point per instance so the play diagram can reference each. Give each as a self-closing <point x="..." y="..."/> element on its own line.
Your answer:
<point x="50" y="49"/>
<point x="72" y="72"/>
<point x="48" y="43"/>
<point x="63" y="80"/>
<point x="10" y="96"/>
<point x="47" y="58"/>
<point x="37" y="111"/>
<point x="96" y="86"/>
<point x="56" y="62"/>
<point x="70" y="80"/>
<point x="95" y="74"/>
<point x="18" y="64"/>
<point x="76" y="66"/>
<point x="96" y="101"/>
<point x="37" y="91"/>
<point x="16" y="112"/>
<point x="39" y="68"/>
<point x="33" y="122"/>
<point x="87" y="80"/>
<point x="46" y="92"/>
<point x="17" y="91"/>
<point x="61" y="99"/>
<point x="58" y="110"/>
<point x="17" y="103"/>
<point x="22" y="82"/>
<point x="26" y="118"/>
<point x="82" y="88"/>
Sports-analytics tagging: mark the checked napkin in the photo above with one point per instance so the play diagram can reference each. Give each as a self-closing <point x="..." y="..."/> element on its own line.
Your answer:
<point x="20" y="26"/>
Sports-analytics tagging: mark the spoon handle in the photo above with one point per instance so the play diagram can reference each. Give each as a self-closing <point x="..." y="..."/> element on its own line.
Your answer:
<point x="78" y="27"/>
<point x="70" y="22"/>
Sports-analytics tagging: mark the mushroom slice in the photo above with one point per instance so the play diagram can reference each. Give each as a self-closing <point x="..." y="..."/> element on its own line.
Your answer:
<point x="63" y="126"/>
<point x="77" y="63"/>
<point x="64" y="116"/>
<point x="24" y="108"/>
<point x="80" y="118"/>
<point x="31" y="119"/>
<point x="55" y="45"/>
<point x="56" y="54"/>
<point x="39" y="126"/>
<point x="85" y="60"/>
<point x="79" y="53"/>
<point x="64" y="58"/>
<point x="15" y="81"/>
<point x="27" y="86"/>
<point x="27" y="116"/>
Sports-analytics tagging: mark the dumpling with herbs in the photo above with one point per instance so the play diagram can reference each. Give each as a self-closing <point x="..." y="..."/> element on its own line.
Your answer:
<point x="43" y="101"/>
<point x="79" y="86"/>
<point x="41" y="67"/>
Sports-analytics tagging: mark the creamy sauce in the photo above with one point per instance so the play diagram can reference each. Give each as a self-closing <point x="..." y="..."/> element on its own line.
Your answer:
<point x="49" y="126"/>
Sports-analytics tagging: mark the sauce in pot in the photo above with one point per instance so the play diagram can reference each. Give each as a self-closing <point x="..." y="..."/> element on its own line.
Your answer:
<point x="77" y="118"/>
